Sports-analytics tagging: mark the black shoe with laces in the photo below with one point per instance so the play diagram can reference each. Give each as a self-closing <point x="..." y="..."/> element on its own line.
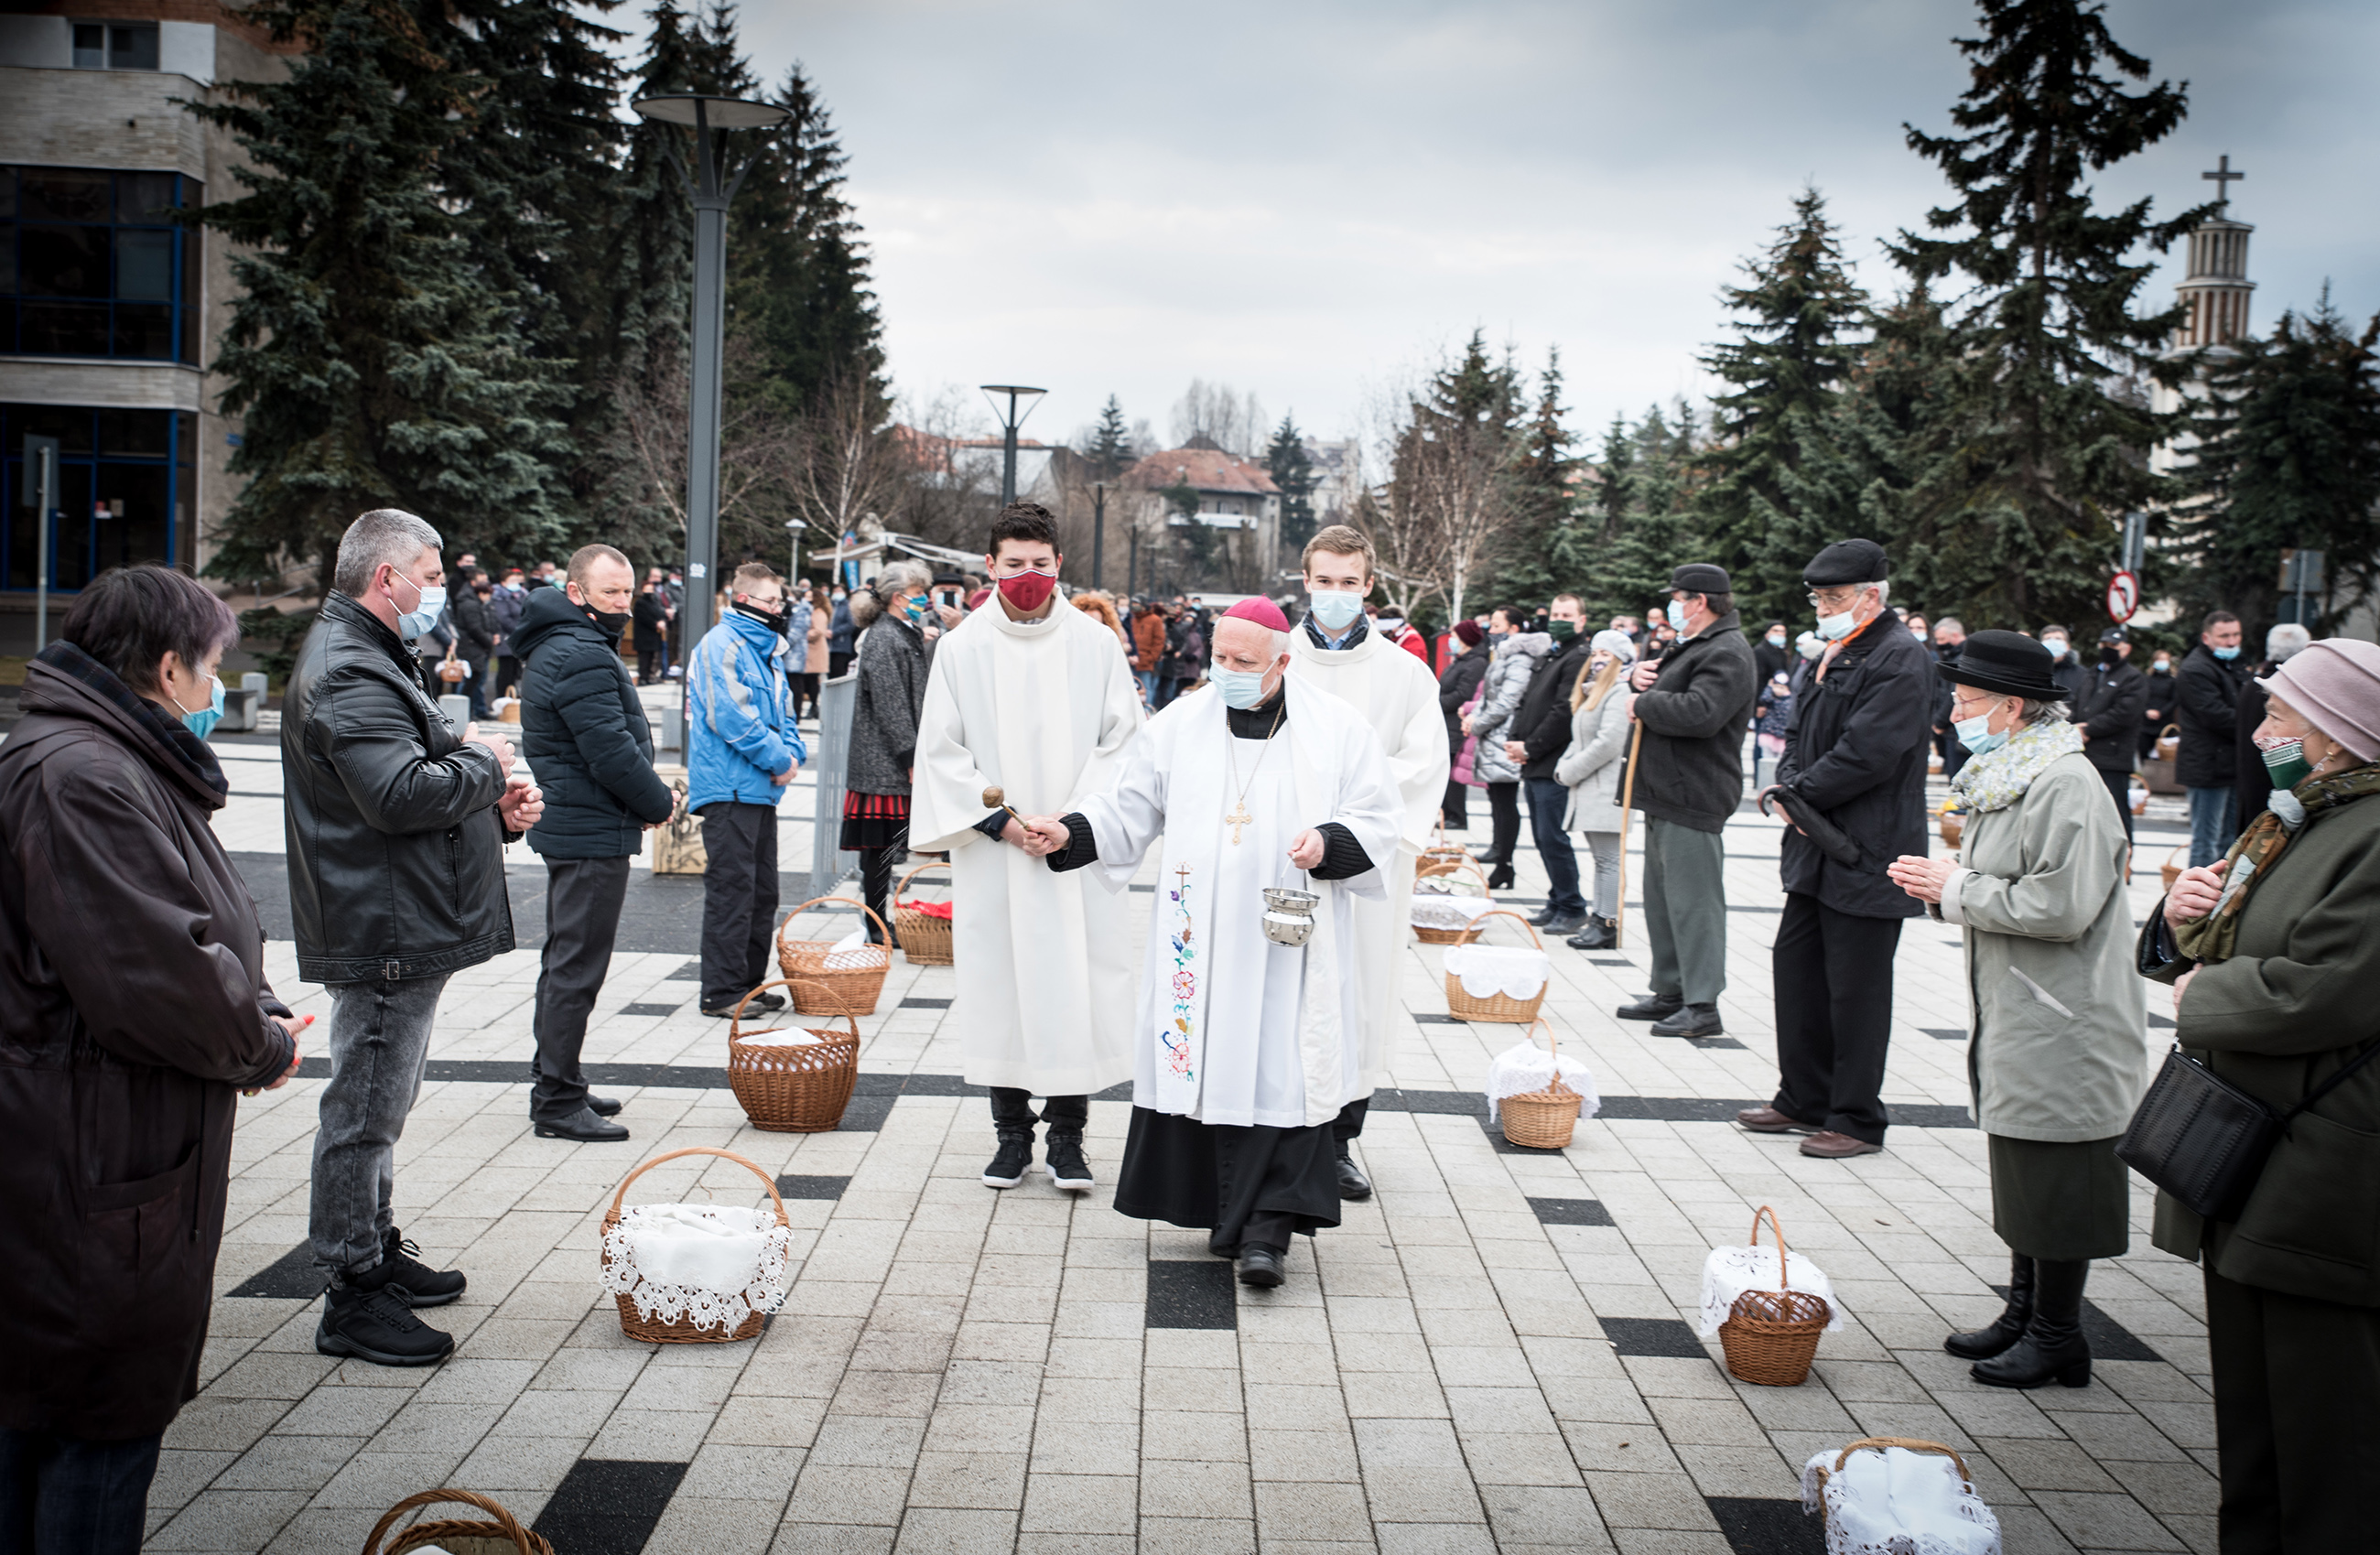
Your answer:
<point x="375" y="1325"/>
<point x="1013" y="1161"/>
<point x="1063" y="1156"/>
<point x="411" y="1281"/>
<point x="1259" y="1265"/>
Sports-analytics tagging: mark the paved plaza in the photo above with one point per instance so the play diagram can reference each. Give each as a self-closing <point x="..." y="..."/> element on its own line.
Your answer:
<point x="1496" y="1352"/>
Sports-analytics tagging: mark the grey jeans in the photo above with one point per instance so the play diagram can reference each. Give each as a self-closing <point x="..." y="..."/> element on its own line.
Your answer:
<point x="1686" y="911"/>
<point x="380" y="1042"/>
<point x="1606" y="845"/>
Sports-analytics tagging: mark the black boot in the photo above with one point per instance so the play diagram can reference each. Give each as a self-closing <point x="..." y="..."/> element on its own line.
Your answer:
<point x="1063" y="1156"/>
<point x="1011" y="1120"/>
<point x="1502" y="878"/>
<point x="1600" y="933"/>
<point x="2053" y="1345"/>
<point x="2008" y="1327"/>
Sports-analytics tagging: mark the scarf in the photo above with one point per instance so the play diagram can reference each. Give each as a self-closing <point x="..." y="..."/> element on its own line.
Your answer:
<point x="1356" y="633"/>
<point x="1997" y="779"/>
<point x="2215" y="937"/>
<point x="170" y="735"/>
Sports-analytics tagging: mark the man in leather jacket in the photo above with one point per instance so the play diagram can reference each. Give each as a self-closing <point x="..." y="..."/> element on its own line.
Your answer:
<point x="397" y="829"/>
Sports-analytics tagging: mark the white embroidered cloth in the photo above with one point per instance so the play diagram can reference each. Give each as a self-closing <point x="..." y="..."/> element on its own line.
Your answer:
<point x="854" y="954"/>
<point x="1529" y="1067"/>
<point x="1731" y="1271"/>
<point x="716" y="1264"/>
<point x="1487" y="970"/>
<point x="1440" y="910"/>
<point x="1888" y="1501"/>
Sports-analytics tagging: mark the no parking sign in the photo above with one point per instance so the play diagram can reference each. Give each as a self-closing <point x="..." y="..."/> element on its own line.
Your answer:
<point x="2123" y="597"/>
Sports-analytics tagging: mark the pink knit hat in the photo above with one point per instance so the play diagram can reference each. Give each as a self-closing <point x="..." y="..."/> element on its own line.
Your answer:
<point x="2336" y="683"/>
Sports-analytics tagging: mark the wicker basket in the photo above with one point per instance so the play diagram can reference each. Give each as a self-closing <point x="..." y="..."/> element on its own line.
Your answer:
<point x="1499" y="1007"/>
<point x="2169" y="871"/>
<point x="925" y="939"/>
<point x="845" y="990"/>
<point x="1954" y="826"/>
<point x="794" y="1089"/>
<point x="1906" y="1444"/>
<point x="1433" y="869"/>
<point x="459" y="1535"/>
<point x="1542" y="1120"/>
<point x="1771" y="1337"/>
<point x="652" y="1330"/>
<point x="1442" y="851"/>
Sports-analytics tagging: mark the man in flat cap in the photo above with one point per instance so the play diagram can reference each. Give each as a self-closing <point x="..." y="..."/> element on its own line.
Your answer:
<point x="1696" y="703"/>
<point x="1855" y="757"/>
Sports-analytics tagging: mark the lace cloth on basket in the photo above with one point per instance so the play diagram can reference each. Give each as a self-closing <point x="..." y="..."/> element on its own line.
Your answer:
<point x="715" y="1265"/>
<point x="1731" y="1271"/>
<point x="1528" y="1067"/>
<point x="1489" y="970"/>
<point x="854" y="954"/>
<point x="1888" y="1501"/>
<point x="1440" y="910"/>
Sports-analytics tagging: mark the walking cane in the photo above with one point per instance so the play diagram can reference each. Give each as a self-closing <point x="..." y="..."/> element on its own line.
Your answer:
<point x="1620" y="907"/>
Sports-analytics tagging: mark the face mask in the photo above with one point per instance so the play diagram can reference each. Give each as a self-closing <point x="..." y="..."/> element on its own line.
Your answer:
<point x="1029" y="591"/>
<point x="425" y="613"/>
<point x="1776" y="640"/>
<point x="1836" y="627"/>
<point x="610" y="623"/>
<point x="2161" y="667"/>
<point x="2285" y="760"/>
<point x="1676" y="612"/>
<point x="754" y="613"/>
<point x="2232" y="652"/>
<point x="202" y="723"/>
<point x="1976" y="736"/>
<point x="1241" y="688"/>
<point x="914" y="609"/>
<point x="1562" y="631"/>
<point x="2057" y="647"/>
<point x="1918" y="635"/>
<point x="1336" y="608"/>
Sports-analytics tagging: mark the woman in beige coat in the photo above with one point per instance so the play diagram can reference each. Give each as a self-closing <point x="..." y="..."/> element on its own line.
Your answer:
<point x="1591" y="767"/>
<point x="2059" y="1051"/>
<point x="813" y="670"/>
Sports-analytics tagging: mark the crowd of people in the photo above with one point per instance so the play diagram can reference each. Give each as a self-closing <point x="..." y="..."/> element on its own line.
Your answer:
<point x="1261" y="998"/>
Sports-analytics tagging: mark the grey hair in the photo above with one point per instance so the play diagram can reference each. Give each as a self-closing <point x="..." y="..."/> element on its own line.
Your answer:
<point x="1883" y="592"/>
<point x="387" y="535"/>
<point x="1953" y="622"/>
<point x="2285" y="640"/>
<point x="904" y="577"/>
<point x="2040" y="710"/>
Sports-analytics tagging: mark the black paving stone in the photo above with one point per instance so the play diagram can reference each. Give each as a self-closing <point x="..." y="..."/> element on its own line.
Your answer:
<point x="292" y="1276"/>
<point x="608" y="1506"/>
<point x="1760" y="1526"/>
<point x="1572" y="1213"/>
<point x="1670" y="1338"/>
<point x="650" y="1009"/>
<point x="793" y="1185"/>
<point x="1192" y="1293"/>
<point x="916" y="1003"/>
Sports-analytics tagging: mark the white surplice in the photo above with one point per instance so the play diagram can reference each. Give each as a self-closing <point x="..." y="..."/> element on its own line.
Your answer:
<point x="1042" y="710"/>
<point x="1397" y="696"/>
<point x="1232" y="1028"/>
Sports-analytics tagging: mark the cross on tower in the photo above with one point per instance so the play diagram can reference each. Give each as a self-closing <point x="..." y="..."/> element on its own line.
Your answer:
<point x="2223" y="178"/>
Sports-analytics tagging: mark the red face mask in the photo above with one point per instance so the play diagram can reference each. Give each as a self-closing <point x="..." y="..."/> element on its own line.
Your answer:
<point x="1028" y="590"/>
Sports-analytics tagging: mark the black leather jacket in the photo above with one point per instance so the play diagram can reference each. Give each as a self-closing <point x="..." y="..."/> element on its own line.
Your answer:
<point x="396" y="864"/>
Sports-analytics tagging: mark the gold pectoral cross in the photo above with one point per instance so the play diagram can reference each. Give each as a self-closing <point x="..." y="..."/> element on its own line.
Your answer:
<point x="1237" y="819"/>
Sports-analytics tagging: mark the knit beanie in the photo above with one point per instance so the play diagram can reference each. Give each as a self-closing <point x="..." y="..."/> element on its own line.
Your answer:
<point x="1468" y="634"/>
<point x="2336" y="683"/>
<point x="1609" y="641"/>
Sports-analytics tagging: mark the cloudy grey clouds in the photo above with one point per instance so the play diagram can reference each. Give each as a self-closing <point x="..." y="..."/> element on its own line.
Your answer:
<point x="1309" y="199"/>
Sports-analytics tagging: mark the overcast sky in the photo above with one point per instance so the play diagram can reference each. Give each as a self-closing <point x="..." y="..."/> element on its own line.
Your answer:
<point x="1312" y="199"/>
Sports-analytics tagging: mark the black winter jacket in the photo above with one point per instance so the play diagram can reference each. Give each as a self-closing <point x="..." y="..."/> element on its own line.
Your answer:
<point x="894" y="661"/>
<point x="2109" y="710"/>
<point x="475" y="627"/>
<point x="1542" y="721"/>
<point x="396" y="865"/>
<point x="2251" y="780"/>
<point x="1457" y="685"/>
<point x="1855" y="752"/>
<point x="586" y="736"/>
<point x="2209" y="713"/>
<point x="1696" y="717"/>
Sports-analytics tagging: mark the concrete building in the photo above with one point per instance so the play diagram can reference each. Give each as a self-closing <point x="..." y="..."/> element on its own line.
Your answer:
<point x="109" y="310"/>
<point x="1233" y="539"/>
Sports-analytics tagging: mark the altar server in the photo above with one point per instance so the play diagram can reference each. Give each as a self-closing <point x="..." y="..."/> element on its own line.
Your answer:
<point x="1244" y="1051"/>
<point x="1033" y="699"/>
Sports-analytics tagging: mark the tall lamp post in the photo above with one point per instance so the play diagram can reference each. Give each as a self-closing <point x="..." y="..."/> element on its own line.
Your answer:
<point x="1010" y="419"/>
<point x="707" y="116"/>
<point x="1099" y="531"/>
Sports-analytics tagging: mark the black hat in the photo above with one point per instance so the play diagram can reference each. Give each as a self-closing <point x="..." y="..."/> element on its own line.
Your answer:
<point x="1700" y="578"/>
<point x="2114" y="633"/>
<point x="2008" y="663"/>
<point x="1846" y="561"/>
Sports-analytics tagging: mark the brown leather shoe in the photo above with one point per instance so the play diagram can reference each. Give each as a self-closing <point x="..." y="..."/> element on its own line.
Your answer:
<point x="1768" y="1120"/>
<point x="1832" y="1146"/>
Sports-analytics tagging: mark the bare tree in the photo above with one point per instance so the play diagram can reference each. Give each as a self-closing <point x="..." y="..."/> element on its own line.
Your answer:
<point x="847" y="467"/>
<point x="1233" y="422"/>
<point x="759" y="450"/>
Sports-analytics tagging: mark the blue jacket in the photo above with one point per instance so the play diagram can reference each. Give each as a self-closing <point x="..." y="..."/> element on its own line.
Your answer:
<point x="739" y="731"/>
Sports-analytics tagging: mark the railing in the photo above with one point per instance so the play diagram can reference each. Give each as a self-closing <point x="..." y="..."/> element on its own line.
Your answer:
<point x="830" y="759"/>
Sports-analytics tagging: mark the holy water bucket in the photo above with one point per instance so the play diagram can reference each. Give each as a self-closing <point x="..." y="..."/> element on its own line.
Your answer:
<point x="1289" y="916"/>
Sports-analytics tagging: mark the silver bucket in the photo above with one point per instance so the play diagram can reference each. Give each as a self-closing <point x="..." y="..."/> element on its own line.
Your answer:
<point x="1289" y="916"/>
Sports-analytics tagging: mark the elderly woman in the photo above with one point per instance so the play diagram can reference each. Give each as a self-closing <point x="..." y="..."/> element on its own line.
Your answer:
<point x="893" y="658"/>
<point x="1591" y="767"/>
<point x="2276" y="970"/>
<point x="2059" y="1055"/>
<point x="1518" y="653"/>
<point x="133" y="1006"/>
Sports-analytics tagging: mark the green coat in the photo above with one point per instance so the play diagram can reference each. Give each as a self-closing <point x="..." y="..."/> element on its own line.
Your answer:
<point x="2060" y="1041"/>
<point x="2299" y="994"/>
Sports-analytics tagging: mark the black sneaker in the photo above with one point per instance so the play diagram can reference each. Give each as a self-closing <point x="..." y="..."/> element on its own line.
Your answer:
<point x="1014" y="1160"/>
<point x="411" y="1281"/>
<point x="376" y="1326"/>
<point x="1062" y="1158"/>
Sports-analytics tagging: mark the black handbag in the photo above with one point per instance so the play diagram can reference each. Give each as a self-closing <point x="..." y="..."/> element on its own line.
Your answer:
<point x="2204" y="1140"/>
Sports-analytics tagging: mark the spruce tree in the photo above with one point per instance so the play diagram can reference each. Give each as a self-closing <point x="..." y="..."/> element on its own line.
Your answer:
<point x="1291" y="468"/>
<point x="1794" y="348"/>
<point x="2289" y="457"/>
<point x="374" y="358"/>
<point x="1552" y="544"/>
<point x="1110" y="454"/>
<point x="2039" y="457"/>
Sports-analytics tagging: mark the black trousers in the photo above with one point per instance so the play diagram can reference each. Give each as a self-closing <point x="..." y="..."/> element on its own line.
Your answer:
<point x="2119" y="784"/>
<point x="1011" y="1110"/>
<point x="1503" y="821"/>
<point x="1350" y="1121"/>
<point x="2292" y="1377"/>
<point x="507" y="674"/>
<point x="739" y="899"/>
<point x="63" y="1496"/>
<point x="648" y="664"/>
<point x="1454" y="807"/>
<point x="582" y="917"/>
<point x="1833" y="1015"/>
<point x="876" y="888"/>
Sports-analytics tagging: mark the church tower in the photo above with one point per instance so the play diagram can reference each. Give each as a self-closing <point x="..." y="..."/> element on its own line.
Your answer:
<point x="2215" y="289"/>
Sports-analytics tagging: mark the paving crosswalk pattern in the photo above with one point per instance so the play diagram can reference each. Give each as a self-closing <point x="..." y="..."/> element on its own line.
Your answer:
<point x="1499" y="1351"/>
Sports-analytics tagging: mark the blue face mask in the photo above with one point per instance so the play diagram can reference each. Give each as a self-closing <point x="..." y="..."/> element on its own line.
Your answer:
<point x="1241" y="688"/>
<point x="425" y="614"/>
<point x="1336" y="608"/>
<point x="202" y="723"/>
<point x="2232" y="652"/>
<point x="1976" y="733"/>
<point x="1677" y="614"/>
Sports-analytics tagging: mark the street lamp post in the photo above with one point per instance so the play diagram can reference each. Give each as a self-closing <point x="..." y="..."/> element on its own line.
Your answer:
<point x="1099" y="531"/>
<point x="707" y="116"/>
<point x="1009" y="421"/>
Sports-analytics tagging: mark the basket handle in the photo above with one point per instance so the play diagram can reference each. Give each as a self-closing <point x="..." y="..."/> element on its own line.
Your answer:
<point x="1779" y="1230"/>
<point x="1475" y="929"/>
<point x="734" y="1028"/>
<point x="1553" y="1048"/>
<point x="766" y="1180"/>
<point x="504" y="1520"/>
<point x="903" y="885"/>
<point x="880" y="927"/>
<point x="1453" y="865"/>
<point x="1906" y="1444"/>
